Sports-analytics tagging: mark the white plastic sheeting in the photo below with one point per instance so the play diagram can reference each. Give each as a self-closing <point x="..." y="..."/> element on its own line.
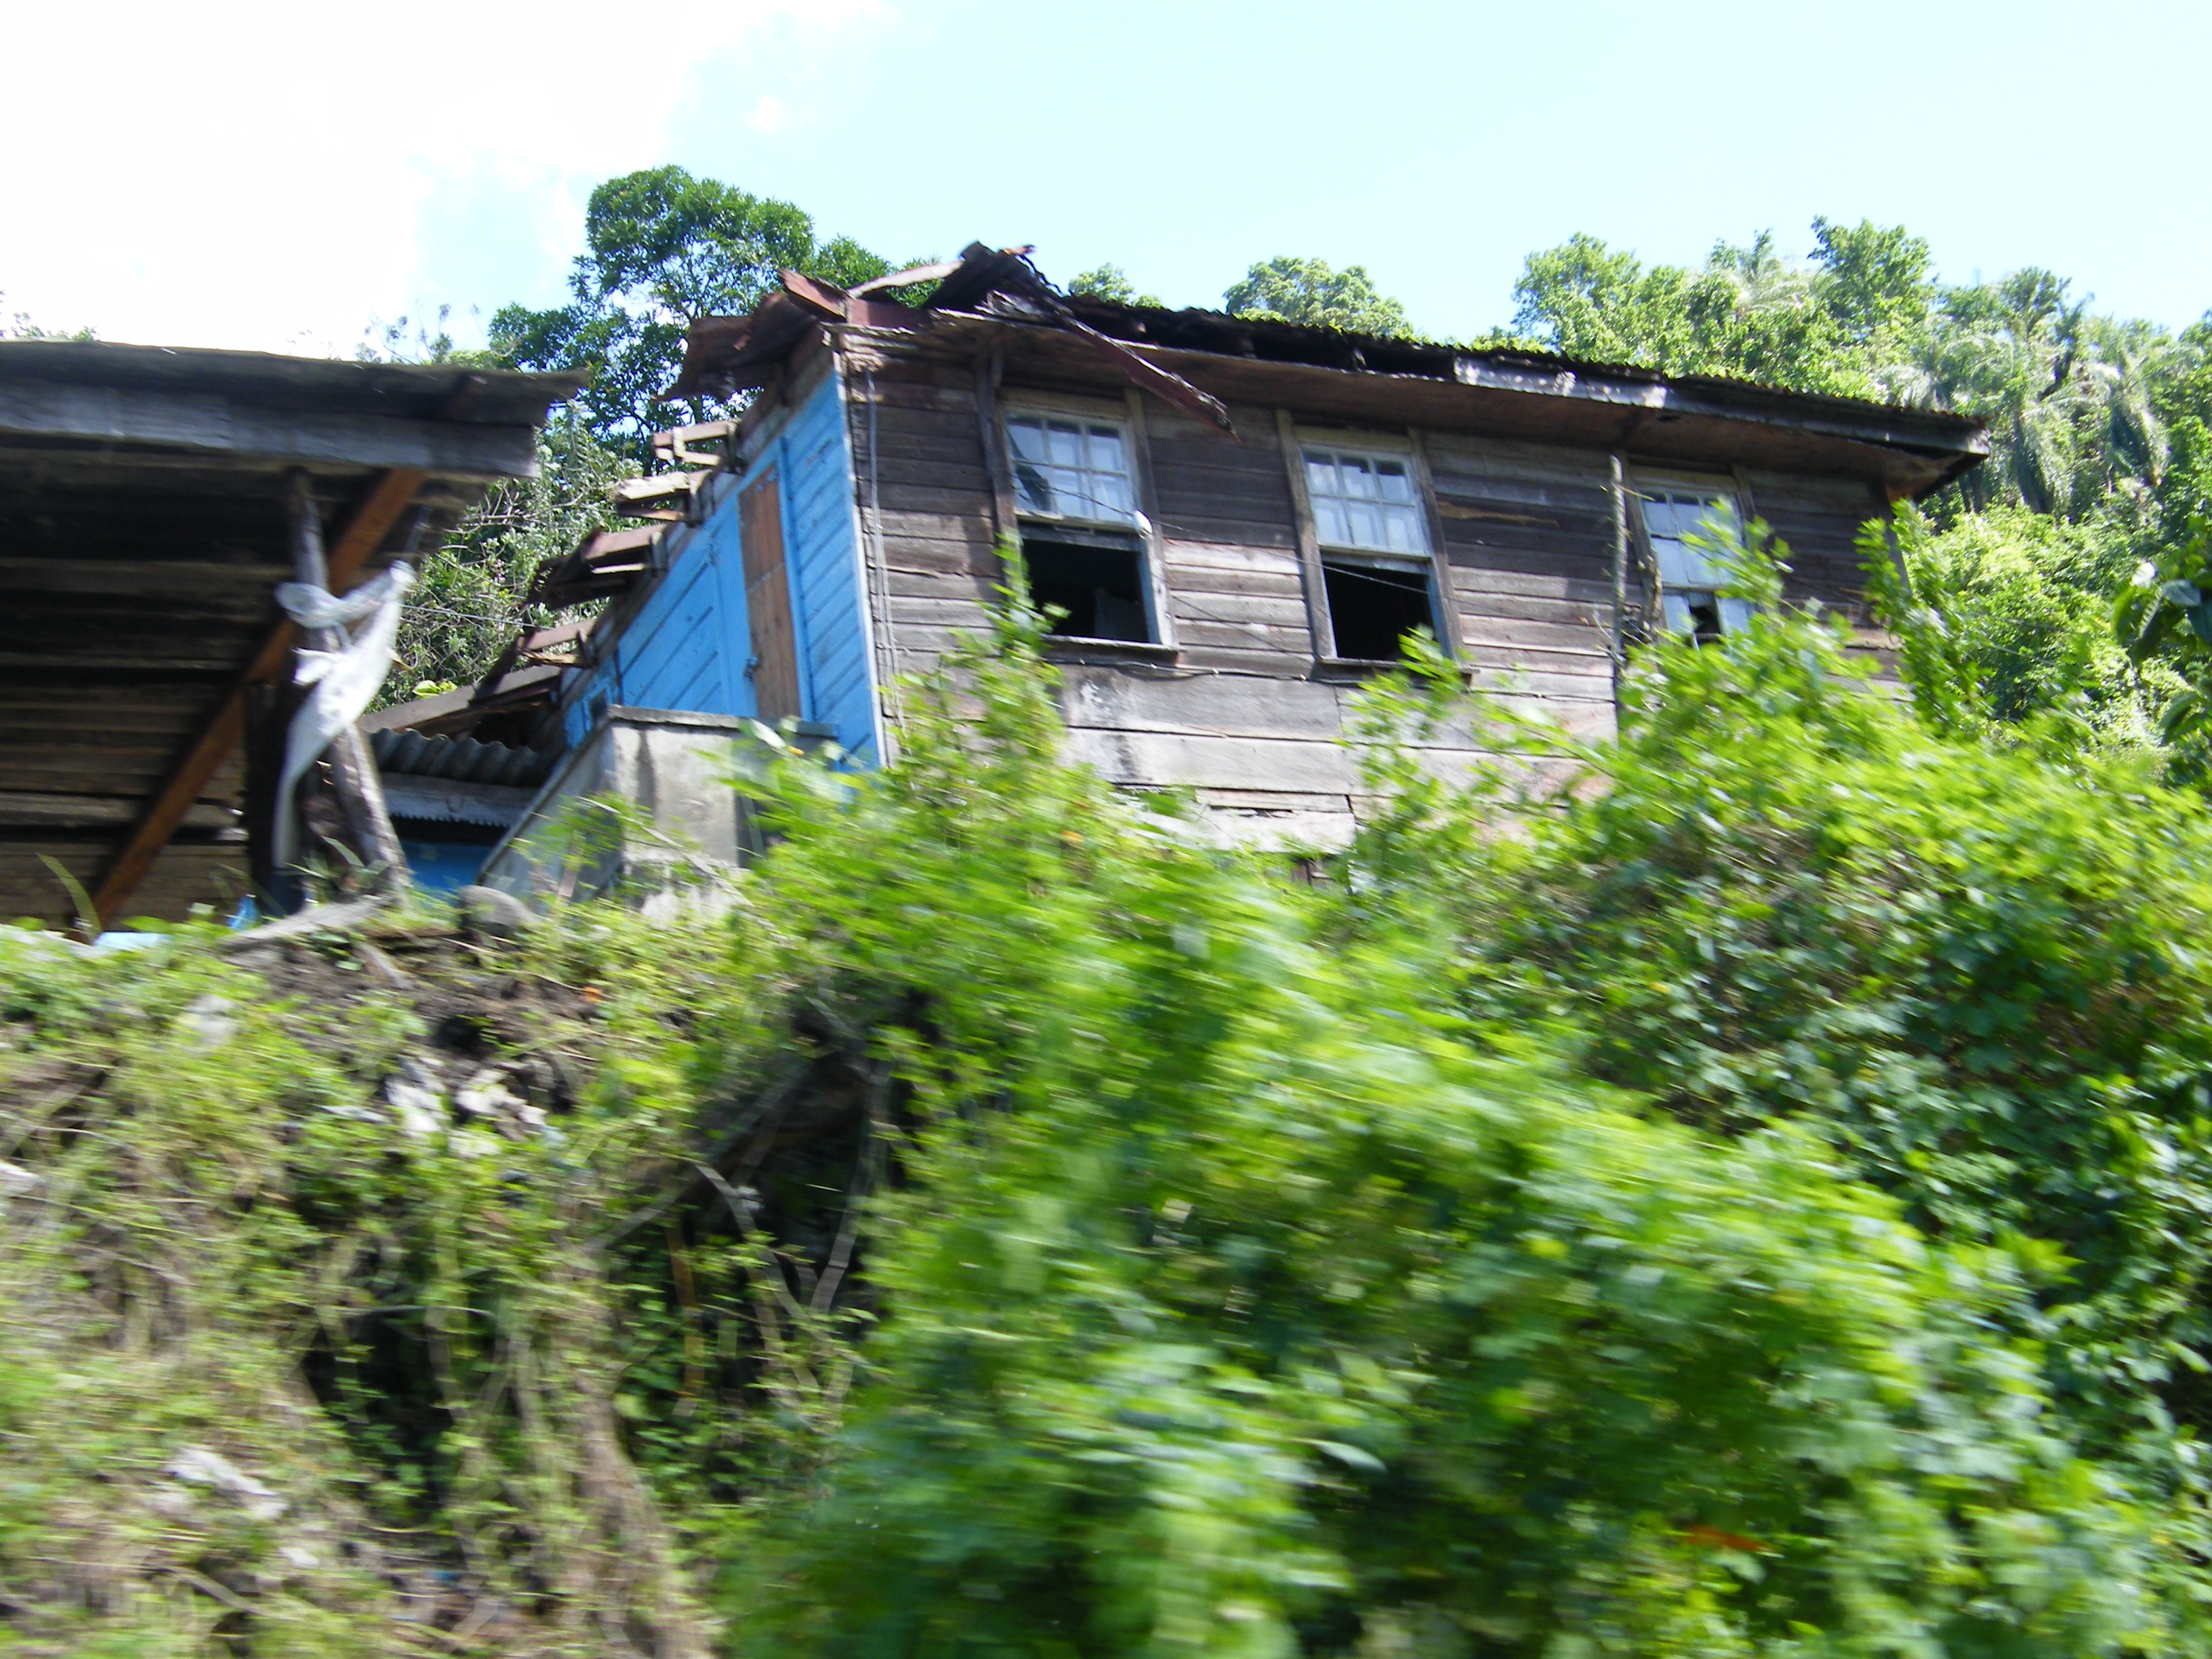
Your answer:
<point x="346" y="681"/>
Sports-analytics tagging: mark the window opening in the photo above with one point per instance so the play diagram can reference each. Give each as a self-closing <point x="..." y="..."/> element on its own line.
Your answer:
<point x="1689" y="579"/>
<point x="1372" y="607"/>
<point x="1366" y="506"/>
<point x="1075" y="500"/>
<point x="1100" y="588"/>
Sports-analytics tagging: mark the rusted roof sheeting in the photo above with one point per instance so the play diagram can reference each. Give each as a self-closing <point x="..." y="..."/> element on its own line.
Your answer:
<point x="1193" y="358"/>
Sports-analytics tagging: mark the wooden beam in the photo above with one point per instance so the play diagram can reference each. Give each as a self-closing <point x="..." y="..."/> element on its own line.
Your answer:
<point x="363" y="534"/>
<point x="213" y="425"/>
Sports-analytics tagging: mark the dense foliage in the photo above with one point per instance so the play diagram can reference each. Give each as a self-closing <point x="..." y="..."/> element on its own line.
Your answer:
<point x="662" y="248"/>
<point x="2087" y="517"/>
<point x="1756" y="1205"/>
<point x="472" y="599"/>
<point x="1295" y="290"/>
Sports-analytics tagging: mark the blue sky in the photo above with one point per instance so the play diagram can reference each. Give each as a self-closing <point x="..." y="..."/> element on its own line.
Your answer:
<point x="260" y="175"/>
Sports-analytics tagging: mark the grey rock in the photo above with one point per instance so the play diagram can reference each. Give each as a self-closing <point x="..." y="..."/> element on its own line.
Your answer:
<point x="501" y="916"/>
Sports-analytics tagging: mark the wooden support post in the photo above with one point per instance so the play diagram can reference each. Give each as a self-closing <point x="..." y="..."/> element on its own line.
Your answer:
<point x="1619" y="585"/>
<point x="352" y="769"/>
<point x="990" y="368"/>
<point x="363" y="534"/>
<point x="1318" y="620"/>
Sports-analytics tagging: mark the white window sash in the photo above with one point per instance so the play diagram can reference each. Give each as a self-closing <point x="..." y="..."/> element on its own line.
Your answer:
<point x="1075" y="468"/>
<point x="1356" y="510"/>
<point x="1671" y="515"/>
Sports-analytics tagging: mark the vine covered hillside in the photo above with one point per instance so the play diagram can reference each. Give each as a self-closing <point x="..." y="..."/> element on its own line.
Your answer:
<point x="1754" y="1206"/>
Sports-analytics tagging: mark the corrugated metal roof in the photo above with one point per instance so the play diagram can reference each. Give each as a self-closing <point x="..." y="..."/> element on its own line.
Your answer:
<point x="462" y="759"/>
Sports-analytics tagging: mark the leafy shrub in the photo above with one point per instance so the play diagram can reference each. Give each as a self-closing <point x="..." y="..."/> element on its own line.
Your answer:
<point x="1022" y="1226"/>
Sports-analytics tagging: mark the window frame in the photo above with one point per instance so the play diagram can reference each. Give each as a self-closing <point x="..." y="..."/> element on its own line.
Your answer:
<point x="1139" y="530"/>
<point x="1710" y="487"/>
<point x="1431" y="562"/>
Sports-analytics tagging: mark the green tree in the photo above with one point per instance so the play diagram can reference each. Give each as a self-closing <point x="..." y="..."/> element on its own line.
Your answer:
<point x="1748" y="312"/>
<point x="1111" y="281"/>
<point x="1308" y="291"/>
<point x="2020" y="604"/>
<point x="472" y="598"/>
<point x="1244" y="1297"/>
<point x="1968" y="965"/>
<point x="663" y="248"/>
<point x="1876" y="281"/>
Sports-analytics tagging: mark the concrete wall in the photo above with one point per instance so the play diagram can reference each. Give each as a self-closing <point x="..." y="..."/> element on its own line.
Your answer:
<point x="686" y="829"/>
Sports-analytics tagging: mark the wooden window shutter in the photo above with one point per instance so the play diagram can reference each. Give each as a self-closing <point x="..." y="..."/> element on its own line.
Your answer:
<point x="767" y="602"/>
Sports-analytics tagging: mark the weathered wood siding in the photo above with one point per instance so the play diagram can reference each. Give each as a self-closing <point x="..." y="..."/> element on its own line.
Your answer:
<point x="1821" y="519"/>
<point x="1229" y="544"/>
<point x="687" y="646"/>
<point x="1243" y="714"/>
<point x="1240" y="716"/>
<point x="689" y="643"/>
<point x="1528" y="534"/>
<point x="917" y="446"/>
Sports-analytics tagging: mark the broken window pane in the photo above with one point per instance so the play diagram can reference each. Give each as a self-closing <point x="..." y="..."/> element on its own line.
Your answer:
<point x="1689" y="577"/>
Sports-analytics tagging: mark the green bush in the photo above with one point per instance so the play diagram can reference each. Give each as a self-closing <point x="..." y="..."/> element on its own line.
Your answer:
<point x="1164" y="1256"/>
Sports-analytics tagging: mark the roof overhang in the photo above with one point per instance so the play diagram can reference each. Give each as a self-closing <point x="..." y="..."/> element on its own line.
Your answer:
<point x="143" y="528"/>
<point x="1201" y="361"/>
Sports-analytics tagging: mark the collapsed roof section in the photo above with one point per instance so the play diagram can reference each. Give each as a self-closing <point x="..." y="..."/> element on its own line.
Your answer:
<point x="1202" y="361"/>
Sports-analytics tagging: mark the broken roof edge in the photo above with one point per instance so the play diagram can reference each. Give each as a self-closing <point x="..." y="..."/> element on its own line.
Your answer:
<point x="455" y="393"/>
<point x="724" y="354"/>
<point x="1449" y="356"/>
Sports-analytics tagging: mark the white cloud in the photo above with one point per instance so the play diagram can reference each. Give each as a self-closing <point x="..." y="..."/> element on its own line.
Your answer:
<point x="262" y="175"/>
<point x="768" y="115"/>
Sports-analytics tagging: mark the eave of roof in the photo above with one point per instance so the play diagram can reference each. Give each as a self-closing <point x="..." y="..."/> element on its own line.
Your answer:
<point x="451" y="393"/>
<point x="1194" y="349"/>
<point x="144" y="521"/>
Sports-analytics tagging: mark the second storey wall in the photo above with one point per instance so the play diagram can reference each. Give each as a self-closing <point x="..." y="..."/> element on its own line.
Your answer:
<point x="1529" y="533"/>
<point x="1242" y="714"/>
<point x="689" y="645"/>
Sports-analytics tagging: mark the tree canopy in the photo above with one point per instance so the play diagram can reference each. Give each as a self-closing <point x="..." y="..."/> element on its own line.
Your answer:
<point x="1309" y="291"/>
<point x="1111" y="281"/>
<point x="661" y="249"/>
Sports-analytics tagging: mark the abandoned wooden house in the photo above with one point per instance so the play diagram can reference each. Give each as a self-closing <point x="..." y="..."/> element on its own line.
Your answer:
<point x="151" y="499"/>
<point x="1235" y="519"/>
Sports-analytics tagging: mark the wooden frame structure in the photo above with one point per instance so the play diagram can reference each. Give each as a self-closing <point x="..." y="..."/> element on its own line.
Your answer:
<point x="144" y="523"/>
<point x="883" y="427"/>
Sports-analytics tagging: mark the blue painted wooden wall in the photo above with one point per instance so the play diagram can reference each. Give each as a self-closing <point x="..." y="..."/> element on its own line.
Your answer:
<point x="826" y="579"/>
<point x="689" y="646"/>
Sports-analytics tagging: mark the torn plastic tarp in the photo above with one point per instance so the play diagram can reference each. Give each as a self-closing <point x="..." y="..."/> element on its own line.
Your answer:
<point x="346" y="681"/>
